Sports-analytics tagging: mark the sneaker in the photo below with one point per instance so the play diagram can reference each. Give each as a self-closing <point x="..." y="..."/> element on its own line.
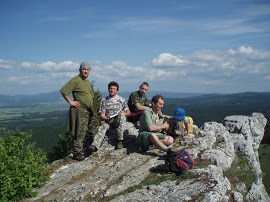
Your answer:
<point x="91" y="149"/>
<point x="78" y="157"/>
<point x="119" y="144"/>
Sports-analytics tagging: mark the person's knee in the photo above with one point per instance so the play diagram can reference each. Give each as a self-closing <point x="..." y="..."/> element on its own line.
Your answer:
<point x="153" y="137"/>
<point x="169" y="140"/>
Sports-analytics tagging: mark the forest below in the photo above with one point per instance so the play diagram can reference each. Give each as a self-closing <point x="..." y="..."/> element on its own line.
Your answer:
<point x="47" y="120"/>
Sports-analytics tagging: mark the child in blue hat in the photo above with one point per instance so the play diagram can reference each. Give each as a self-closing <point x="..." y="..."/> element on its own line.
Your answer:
<point x="180" y="116"/>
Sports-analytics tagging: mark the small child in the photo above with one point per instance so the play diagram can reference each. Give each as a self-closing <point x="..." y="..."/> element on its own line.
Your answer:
<point x="183" y="122"/>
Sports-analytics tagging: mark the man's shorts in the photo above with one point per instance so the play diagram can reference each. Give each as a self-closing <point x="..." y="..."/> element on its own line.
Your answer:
<point x="144" y="138"/>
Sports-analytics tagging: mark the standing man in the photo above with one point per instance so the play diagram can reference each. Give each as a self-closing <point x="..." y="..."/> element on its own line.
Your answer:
<point x="113" y="111"/>
<point x="80" y="114"/>
<point x="153" y="129"/>
<point x="138" y="102"/>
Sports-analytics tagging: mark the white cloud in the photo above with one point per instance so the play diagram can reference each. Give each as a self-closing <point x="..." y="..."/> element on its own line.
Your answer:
<point x="231" y="27"/>
<point x="167" y="59"/>
<point x="21" y="80"/>
<point x="245" y="50"/>
<point x="5" y="64"/>
<point x="49" y="66"/>
<point x="211" y="68"/>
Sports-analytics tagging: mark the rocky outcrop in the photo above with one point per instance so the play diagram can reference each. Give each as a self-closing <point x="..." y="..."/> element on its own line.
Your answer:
<point x="227" y="168"/>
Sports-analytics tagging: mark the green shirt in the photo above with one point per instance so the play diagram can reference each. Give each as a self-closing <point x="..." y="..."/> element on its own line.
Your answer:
<point x="148" y="118"/>
<point x="82" y="91"/>
<point x="135" y="97"/>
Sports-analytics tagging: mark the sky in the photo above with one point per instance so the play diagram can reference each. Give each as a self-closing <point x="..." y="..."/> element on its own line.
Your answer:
<point x="191" y="46"/>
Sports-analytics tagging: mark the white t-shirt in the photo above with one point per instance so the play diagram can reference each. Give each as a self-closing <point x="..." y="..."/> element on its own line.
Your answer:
<point x="112" y="105"/>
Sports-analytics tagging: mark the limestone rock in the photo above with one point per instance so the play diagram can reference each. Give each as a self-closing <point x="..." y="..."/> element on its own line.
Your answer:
<point x="116" y="175"/>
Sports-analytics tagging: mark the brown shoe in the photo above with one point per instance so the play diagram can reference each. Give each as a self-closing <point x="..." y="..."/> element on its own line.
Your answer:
<point x="119" y="144"/>
<point x="78" y="157"/>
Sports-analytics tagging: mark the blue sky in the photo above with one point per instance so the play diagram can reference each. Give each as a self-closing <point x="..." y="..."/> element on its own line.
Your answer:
<point x="179" y="46"/>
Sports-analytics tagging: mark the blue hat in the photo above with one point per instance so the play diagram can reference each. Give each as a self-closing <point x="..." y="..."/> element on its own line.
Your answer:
<point x="179" y="114"/>
<point x="84" y="64"/>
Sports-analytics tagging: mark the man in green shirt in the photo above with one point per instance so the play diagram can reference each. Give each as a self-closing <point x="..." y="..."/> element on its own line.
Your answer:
<point x="80" y="116"/>
<point x="153" y="127"/>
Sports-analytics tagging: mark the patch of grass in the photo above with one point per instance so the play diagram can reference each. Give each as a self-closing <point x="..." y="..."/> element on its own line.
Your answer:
<point x="240" y="171"/>
<point x="155" y="178"/>
<point x="264" y="154"/>
<point x="51" y="168"/>
<point x="201" y="163"/>
<point x="215" y="145"/>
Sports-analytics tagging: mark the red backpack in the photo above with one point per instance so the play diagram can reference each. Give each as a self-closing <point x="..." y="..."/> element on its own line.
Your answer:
<point x="179" y="161"/>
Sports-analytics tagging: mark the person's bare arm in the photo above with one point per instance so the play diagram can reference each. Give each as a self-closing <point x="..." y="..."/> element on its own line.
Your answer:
<point x="154" y="128"/>
<point x="106" y="119"/>
<point x="140" y="107"/>
<point x="187" y="128"/>
<point x="127" y="113"/>
<point x="167" y="116"/>
<point x="70" y="101"/>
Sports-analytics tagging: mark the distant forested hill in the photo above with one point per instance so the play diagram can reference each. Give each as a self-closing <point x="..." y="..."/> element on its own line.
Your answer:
<point x="150" y="94"/>
<point x="18" y="100"/>
<point x="55" y="96"/>
<point x="45" y="114"/>
<point x="214" y="107"/>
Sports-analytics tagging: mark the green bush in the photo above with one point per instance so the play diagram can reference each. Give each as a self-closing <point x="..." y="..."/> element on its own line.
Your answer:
<point x="62" y="149"/>
<point x="22" y="165"/>
<point x="97" y="99"/>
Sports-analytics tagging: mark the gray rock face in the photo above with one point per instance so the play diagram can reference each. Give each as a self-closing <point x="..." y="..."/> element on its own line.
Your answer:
<point x="116" y="175"/>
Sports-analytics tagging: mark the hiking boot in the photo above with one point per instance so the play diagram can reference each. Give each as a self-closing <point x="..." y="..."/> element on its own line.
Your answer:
<point x="78" y="157"/>
<point x="119" y="144"/>
<point x="91" y="149"/>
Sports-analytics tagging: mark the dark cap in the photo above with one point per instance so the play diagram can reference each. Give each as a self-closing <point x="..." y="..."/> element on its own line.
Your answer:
<point x="84" y="64"/>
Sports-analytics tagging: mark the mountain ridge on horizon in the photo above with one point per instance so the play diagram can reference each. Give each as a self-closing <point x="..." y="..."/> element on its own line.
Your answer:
<point x="106" y="92"/>
<point x="55" y="96"/>
<point x="170" y="93"/>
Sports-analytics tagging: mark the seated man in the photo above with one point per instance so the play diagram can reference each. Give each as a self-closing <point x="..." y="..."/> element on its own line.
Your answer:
<point x="138" y="102"/>
<point x="113" y="111"/>
<point x="153" y="128"/>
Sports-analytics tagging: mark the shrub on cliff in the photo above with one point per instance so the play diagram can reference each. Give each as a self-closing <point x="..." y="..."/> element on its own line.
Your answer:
<point x="22" y="165"/>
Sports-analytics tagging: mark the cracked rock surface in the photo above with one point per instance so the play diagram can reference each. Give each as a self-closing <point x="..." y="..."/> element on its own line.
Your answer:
<point x="117" y="175"/>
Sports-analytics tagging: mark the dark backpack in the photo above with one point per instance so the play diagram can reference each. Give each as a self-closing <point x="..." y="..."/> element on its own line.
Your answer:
<point x="179" y="160"/>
